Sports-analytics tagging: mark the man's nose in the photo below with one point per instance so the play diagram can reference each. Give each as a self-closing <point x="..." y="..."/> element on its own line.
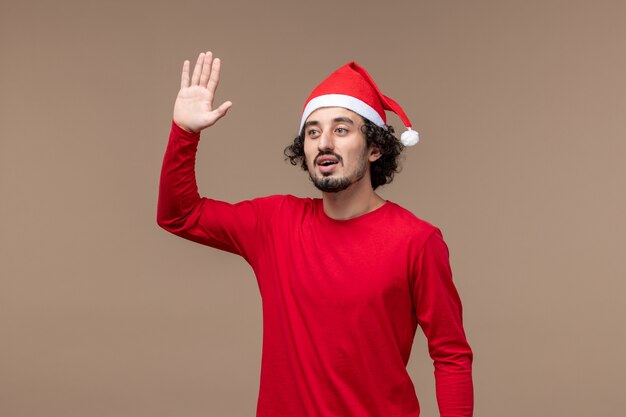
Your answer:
<point x="326" y="142"/>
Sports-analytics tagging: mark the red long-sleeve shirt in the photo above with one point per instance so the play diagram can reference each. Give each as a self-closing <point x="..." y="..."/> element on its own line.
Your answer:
<point x="341" y="299"/>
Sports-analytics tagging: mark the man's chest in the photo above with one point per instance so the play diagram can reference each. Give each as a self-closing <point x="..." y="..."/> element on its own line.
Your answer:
<point x="336" y="268"/>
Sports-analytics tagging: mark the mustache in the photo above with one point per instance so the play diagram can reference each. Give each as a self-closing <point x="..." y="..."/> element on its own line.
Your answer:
<point x="324" y="153"/>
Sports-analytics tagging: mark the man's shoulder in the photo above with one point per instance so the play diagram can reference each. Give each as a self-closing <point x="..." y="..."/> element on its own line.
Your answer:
<point x="409" y="221"/>
<point x="280" y="199"/>
<point x="410" y="229"/>
<point x="282" y="202"/>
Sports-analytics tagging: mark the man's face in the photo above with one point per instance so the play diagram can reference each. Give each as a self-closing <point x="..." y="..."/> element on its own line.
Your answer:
<point x="335" y="149"/>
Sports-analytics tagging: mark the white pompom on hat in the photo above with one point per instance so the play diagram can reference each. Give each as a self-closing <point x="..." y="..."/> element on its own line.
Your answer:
<point x="351" y="87"/>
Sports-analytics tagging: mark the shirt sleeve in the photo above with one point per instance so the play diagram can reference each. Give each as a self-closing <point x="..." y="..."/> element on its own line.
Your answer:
<point x="181" y="210"/>
<point x="439" y="313"/>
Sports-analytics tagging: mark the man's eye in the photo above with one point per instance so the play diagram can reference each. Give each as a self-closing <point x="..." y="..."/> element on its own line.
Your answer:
<point x="341" y="130"/>
<point x="312" y="132"/>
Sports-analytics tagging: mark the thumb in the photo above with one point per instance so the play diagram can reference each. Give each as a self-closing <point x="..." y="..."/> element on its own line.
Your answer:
<point x="223" y="108"/>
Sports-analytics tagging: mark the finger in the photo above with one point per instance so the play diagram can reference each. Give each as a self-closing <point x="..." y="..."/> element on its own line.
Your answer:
<point x="222" y="109"/>
<point x="215" y="75"/>
<point x="206" y="69"/>
<point x="195" y="77"/>
<point x="184" y="78"/>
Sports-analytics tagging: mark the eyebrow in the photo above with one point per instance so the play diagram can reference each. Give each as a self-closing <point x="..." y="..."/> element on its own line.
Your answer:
<point x="335" y="120"/>
<point x="343" y="120"/>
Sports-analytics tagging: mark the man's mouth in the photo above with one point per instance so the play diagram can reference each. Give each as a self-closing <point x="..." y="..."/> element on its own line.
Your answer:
<point x="327" y="163"/>
<point x="327" y="160"/>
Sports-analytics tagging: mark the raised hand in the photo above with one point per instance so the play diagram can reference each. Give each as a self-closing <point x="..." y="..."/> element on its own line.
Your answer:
<point x="193" y="110"/>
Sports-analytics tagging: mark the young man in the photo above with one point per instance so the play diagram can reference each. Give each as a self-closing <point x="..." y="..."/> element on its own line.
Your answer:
<point x="346" y="279"/>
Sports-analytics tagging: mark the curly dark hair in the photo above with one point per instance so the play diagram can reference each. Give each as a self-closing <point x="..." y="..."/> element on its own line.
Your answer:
<point x="382" y="170"/>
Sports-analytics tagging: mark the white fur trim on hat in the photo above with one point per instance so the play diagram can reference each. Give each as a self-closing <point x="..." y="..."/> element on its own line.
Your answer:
<point x="341" y="100"/>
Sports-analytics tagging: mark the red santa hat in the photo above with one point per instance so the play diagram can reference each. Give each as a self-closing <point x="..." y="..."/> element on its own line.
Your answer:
<point x="351" y="87"/>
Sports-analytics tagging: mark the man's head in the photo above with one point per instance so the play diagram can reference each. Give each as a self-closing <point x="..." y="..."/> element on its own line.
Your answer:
<point x="338" y="148"/>
<point x="351" y="87"/>
<point x="349" y="105"/>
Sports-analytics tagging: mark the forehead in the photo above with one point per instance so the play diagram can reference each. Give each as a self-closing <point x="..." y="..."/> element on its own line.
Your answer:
<point x="326" y="115"/>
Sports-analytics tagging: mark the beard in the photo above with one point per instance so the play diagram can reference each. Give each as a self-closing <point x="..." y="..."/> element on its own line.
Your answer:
<point x="329" y="184"/>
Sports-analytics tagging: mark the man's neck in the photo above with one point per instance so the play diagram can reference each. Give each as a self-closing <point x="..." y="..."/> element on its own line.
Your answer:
<point x="356" y="200"/>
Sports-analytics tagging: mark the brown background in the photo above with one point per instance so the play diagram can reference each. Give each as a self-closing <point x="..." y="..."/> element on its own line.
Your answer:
<point x="520" y="106"/>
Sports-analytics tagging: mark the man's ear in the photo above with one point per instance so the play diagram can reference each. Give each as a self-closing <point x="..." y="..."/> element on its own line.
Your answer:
<point x="375" y="153"/>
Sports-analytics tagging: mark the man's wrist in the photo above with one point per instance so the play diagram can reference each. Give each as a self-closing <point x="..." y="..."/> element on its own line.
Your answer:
<point x="181" y="131"/>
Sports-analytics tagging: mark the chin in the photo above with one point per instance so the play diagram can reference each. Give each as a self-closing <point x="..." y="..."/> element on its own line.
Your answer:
<point x="331" y="185"/>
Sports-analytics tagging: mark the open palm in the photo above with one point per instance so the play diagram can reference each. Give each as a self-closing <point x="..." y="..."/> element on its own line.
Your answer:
<point x="193" y="110"/>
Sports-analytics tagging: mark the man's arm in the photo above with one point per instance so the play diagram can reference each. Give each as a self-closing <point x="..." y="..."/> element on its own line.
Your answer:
<point x="181" y="210"/>
<point x="439" y="313"/>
